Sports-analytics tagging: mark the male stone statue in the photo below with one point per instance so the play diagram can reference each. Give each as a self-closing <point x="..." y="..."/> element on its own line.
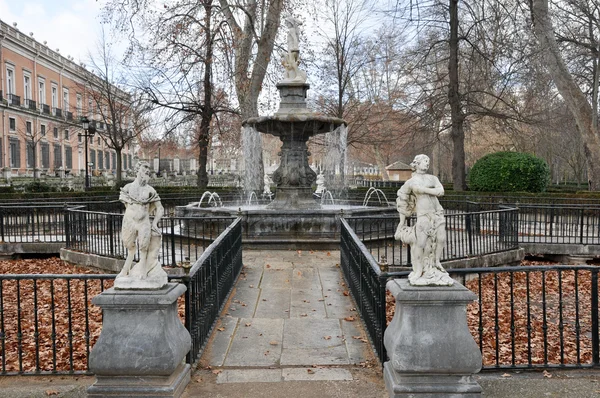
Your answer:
<point x="141" y="201"/>
<point x="291" y="59"/>
<point x="427" y="237"/>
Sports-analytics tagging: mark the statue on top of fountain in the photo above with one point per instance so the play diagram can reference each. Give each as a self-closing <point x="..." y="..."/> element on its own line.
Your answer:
<point x="291" y="59"/>
<point x="427" y="237"/>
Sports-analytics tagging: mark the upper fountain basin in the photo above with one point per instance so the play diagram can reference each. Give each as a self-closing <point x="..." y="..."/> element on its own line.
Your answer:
<point x="305" y="123"/>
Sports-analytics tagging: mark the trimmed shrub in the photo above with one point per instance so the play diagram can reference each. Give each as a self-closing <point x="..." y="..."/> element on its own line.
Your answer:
<point x="509" y="172"/>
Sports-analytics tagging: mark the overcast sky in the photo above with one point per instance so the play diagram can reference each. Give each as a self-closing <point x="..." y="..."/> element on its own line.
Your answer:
<point x="72" y="26"/>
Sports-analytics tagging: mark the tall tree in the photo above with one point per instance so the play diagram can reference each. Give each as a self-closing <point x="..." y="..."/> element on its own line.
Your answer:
<point x="584" y="108"/>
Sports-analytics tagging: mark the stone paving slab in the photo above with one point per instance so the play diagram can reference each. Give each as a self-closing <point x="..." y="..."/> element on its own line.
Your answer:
<point x="314" y="374"/>
<point x="273" y="303"/>
<point x="249" y="376"/>
<point x="221" y="340"/>
<point x="305" y="278"/>
<point x="335" y="355"/>
<point x="307" y="303"/>
<point x="257" y="342"/>
<point x="276" y="278"/>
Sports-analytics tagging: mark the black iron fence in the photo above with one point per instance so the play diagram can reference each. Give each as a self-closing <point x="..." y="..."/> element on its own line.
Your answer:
<point x="209" y="283"/>
<point x="471" y="234"/>
<point x="366" y="283"/>
<point x="525" y="317"/>
<point x="32" y="223"/>
<point x="184" y="239"/>
<point x="48" y="324"/>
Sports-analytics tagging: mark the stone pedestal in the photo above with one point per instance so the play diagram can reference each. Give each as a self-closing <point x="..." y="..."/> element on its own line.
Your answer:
<point x="431" y="351"/>
<point x="142" y="346"/>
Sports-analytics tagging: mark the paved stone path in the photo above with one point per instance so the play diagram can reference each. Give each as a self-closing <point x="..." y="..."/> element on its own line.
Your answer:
<point x="289" y="318"/>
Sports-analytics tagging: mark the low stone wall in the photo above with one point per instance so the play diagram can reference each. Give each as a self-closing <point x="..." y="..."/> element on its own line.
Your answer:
<point x="92" y="260"/>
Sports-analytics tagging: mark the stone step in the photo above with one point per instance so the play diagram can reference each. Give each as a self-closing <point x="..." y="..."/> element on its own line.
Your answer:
<point x="263" y="375"/>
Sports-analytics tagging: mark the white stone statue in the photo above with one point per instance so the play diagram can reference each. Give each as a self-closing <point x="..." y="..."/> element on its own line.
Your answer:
<point x="291" y="59"/>
<point x="141" y="201"/>
<point x="267" y="185"/>
<point x="419" y="195"/>
<point x="320" y="184"/>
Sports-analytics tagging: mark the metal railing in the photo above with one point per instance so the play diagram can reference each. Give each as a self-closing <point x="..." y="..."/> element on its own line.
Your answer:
<point x="563" y="224"/>
<point x="525" y="317"/>
<point x="48" y="324"/>
<point x="184" y="239"/>
<point x="45" y="109"/>
<point x="209" y="283"/>
<point x="467" y="235"/>
<point x="32" y="224"/>
<point x="30" y="104"/>
<point x="366" y="284"/>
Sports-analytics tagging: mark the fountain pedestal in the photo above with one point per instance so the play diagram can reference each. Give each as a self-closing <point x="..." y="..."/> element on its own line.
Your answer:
<point x="294" y="124"/>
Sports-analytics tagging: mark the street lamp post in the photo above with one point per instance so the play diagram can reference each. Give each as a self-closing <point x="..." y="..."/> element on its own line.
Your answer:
<point x="90" y="130"/>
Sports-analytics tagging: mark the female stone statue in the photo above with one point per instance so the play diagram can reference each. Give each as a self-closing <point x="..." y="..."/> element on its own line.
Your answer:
<point x="427" y="237"/>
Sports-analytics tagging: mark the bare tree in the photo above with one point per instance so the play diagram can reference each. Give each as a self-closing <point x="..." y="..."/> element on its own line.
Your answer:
<point x="584" y="108"/>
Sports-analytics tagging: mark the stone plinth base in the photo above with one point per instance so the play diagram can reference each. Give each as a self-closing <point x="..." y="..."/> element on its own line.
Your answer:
<point x="431" y="351"/>
<point x="142" y="345"/>
<point x="141" y="386"/>
<point x="428" y="386"/>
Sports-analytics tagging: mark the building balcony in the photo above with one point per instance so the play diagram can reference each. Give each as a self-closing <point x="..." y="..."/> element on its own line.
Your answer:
<point x="69" y="115"/>
<point x="45" y="109"/>
<point x="57" y="112"/>
<point x="13" y="99"/>
<point x="30" y="104"/>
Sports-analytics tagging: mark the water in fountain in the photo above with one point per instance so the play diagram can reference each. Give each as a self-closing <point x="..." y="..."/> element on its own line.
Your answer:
<point x="213" y="198"/>
<point x="376" y="191"/>
<point x="252" y="194"/>
<point x="335" y="162"/>
<point x="326" y="195"/>
<point x="253" y="163"/>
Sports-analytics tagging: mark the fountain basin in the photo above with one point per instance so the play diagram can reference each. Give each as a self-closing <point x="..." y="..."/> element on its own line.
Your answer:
<point x="268" y="228"/>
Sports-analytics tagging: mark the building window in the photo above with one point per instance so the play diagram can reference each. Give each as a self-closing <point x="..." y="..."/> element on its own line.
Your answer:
<point x="80" y="138"/>
<point x="43" y="130"/>
<point x="12" y="123"/>
<point x="57" y="156"/>
<point x="93" y="158"/>
<point x="56" y="132"/>
<point x="54" y="98"/>
<point x="66" y="134"/>
<point x="98" y="140"/>
<point x="26" y="85"/>
<point x="45" y="155"/>
<point x="10" y="80"/>
<point x="29" y="160"/>
<point x="15" y="153"/>
<point x="90" y="107"/>
<point x="41" y="91"/>
<point x="79" y="105"/>
<point x="28" y="127"/>
<point x="124" y="165"/>
<point x="66" y="99"/>
<point x="100" y="160"/>
<point x="68" y="157"/>
<point x="107" y="159"/>
<point x="114" y="161"/>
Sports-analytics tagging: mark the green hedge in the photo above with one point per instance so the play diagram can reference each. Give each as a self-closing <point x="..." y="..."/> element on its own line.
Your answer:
<point x="509" y="172"/>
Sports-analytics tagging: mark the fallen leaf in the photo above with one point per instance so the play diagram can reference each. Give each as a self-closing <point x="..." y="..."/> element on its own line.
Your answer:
<point x="310" y="371"/>
<point x="51" y="392"/>
<point x="248" y="324"/>
<point x="547" y="374"/>
<point x="506" y="375"/>
<point x="349" y="318"/>
<point x="217" y="371"/>
<point x="221" y="329"/>
<point x="346" y="293"/>
<point x="273" y="342"/>
<point x="327" y="337"/>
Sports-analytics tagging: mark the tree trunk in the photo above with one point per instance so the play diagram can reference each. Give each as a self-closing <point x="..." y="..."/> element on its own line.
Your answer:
<point x="575" y="99"/>
<point x="207" y="112"/>
<point x="456" y="115"/>
<point x="119" y="166"/>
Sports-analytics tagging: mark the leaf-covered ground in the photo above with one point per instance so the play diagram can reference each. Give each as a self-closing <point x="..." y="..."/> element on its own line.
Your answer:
<point x="49" y="325"/>
<point x="548" y="321"/>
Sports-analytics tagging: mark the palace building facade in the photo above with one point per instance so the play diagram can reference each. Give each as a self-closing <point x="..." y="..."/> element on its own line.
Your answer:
<point x="43" y="96"/>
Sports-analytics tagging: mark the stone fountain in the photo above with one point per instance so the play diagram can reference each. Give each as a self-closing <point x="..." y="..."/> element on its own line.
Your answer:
<point x="294" y="219"/>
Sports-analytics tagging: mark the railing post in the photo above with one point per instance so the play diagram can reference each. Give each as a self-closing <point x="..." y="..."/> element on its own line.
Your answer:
<point x="2" y="224"/>
<point x="111" y="219"/>
<point x="594" y="309"/>
<point x="67" y="228"/>
<point x="551" y="219"/>
<point x="173" y="258"/>
<point x="468" y="226"/>
<point x="581" y="226"/>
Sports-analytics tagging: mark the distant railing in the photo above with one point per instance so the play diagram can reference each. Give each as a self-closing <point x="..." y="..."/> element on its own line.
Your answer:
<point x="13" y="99"/>
<point x="57" y="112"/>
<point x="467" y="235"/>
<point x="32" y="223"/>
<point x="30" y="104"/>
<point x="183" y="239"/>
<point x="48" y="324"/>
<point x="45" y="109"/>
